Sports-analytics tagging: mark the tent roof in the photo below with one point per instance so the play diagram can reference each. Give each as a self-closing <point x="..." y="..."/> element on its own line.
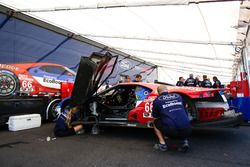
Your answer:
<point x="183" y="38"/>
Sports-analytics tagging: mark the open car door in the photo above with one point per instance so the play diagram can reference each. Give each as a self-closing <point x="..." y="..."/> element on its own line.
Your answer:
<point x="90" y="76"/>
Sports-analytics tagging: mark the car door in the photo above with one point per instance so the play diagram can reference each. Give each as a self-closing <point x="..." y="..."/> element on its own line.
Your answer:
<point x="90" y="76"/>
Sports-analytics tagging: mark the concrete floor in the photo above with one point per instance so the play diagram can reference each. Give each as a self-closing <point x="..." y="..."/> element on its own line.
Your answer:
<point x="122" y="147"/>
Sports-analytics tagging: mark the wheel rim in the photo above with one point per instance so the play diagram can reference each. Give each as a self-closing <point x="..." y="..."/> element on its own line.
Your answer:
<point x="54" y="113"/>
<point x="8" y="85"/>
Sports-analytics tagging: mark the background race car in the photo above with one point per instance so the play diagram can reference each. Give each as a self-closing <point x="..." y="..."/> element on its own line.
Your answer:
<point x="32" y="88"/>
<point x="33" y="79"/>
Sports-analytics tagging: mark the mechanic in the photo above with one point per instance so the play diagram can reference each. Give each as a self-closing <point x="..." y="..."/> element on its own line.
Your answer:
<point x="190" y="81"/>
<point x="180" y="82"/>
<point x="63" y="125"/>
<point x="217" y="83"/>
<point x="138" y="78"/>
<point x="197" y="80"/>
<point x="171" y="119"/>
<point x="206" y="83"/>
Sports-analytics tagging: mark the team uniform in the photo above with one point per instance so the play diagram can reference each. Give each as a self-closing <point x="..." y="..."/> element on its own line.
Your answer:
<point x="190" y="82"/>
<point x="179" y="83"/>
<point x="206" y="83"/>
<point x="217" y="84"/>
<point x="171" y="117"/>
<point x="61" y="128"/>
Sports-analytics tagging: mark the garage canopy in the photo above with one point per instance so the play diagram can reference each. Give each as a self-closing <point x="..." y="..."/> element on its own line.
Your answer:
<point x="179" y="36"/>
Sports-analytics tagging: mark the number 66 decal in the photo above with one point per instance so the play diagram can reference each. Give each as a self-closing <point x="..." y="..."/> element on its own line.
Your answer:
<point x="148" y="109"/>
<point x="27" y="84"/>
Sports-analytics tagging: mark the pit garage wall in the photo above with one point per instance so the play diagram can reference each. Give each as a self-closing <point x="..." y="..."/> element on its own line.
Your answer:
<point x="26" y="39"/>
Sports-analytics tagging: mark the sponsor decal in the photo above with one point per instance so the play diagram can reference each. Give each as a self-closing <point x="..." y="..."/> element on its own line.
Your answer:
<point x="125" y="65"/>
<point x="51" y="80"/>
<point x="168" y="97"/>
<point x="171" y="104"/>
<point x="10" y="67"/>
<point x="24" y="77"/>
<point x="48" y="82"/>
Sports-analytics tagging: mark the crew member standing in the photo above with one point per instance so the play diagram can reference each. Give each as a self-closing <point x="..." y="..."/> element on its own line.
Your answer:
<point x="217" y="83"/>
<point x="180" y="82"/>
<point x="171" y="118"/>
<point x="190" y="81"/>
<point x="206" y="83"/>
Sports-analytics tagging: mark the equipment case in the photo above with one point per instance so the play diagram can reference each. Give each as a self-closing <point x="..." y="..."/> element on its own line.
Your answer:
<point x="21" y="122"/>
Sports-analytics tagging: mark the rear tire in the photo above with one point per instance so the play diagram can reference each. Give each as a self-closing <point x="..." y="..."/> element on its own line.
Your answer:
<point x="9" y="84"/>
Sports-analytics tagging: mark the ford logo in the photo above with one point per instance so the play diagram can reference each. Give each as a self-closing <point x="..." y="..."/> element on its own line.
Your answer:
<point x="168" y="97"/>
<point x="125" y="65"/>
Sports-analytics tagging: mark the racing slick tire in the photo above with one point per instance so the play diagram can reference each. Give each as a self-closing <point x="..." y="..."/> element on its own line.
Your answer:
<point x="9" y="84"/>
<point x="51" y="113"/>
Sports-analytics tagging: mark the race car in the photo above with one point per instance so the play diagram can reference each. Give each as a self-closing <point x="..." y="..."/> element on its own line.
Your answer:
<point x="130" y="104"/>
<point x="33" y="79"/>
<point x="24" y="83"/>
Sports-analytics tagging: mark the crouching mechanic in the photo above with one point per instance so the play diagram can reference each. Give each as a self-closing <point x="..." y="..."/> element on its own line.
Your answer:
<point x="64" y="125"/>
<point x="171" y="119"/>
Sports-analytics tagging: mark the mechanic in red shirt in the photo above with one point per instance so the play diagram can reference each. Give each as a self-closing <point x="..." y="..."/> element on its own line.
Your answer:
<point x="171" y="119"/>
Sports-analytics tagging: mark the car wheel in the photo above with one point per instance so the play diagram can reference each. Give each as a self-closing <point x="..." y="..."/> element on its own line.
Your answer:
<point x="190" y="108"/>
<point x="52" y="113"/>
<point x="9" y="84"/>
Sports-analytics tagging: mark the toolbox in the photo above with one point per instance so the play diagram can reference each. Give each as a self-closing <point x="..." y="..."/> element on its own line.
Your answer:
<point x="21" y="122"/>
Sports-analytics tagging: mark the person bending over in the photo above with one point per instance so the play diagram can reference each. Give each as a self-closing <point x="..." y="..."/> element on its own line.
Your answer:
<point x="64" y="125"/>
<point x="171" y="118"/>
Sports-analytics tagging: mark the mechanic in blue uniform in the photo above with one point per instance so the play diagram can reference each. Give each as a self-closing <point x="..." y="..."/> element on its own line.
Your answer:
<point x="171" y="118"/>
<point x="190" y="81"/>
<point x="63" y="125"/>
<point x="180" y="82"/>
<point x="217" y="83"/>
<point x="206" y="83"/>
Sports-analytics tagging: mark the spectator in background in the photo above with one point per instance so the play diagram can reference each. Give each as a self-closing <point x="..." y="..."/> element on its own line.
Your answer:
<point x="217" y="83"/>
<point x="138" y="78"/>
<point x="127" y="78"/>
<point x="180" y="82"/>
<point x="197" y="80"/>
<point x="190" y="81"/>
<point x="206" y="83"/>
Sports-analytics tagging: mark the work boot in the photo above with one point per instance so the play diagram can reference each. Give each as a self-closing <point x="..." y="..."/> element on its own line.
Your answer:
<point x="161" y="147"/>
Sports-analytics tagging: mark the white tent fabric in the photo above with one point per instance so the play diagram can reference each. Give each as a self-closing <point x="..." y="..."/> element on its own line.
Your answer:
<point x="178" y="36"/>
